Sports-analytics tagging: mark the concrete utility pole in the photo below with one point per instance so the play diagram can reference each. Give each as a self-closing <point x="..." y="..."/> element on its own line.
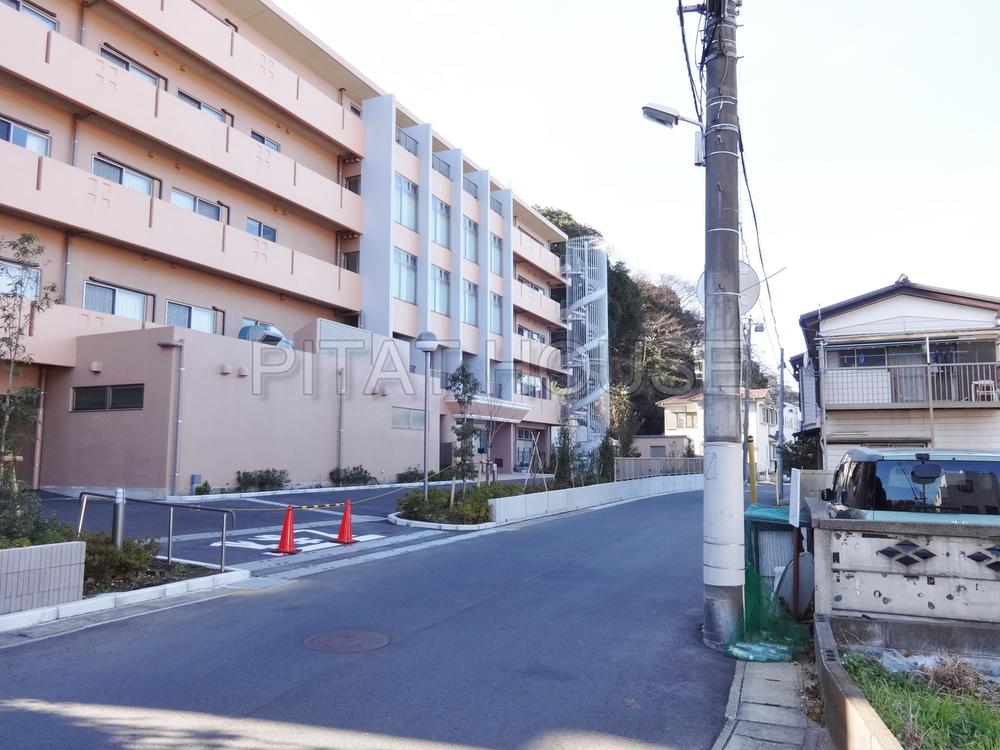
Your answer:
<point x="779" y="487"/>
<point x="723" y="509"/>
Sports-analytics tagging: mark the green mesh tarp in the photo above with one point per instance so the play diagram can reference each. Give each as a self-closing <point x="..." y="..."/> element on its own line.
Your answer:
<point x="768" y="632"/>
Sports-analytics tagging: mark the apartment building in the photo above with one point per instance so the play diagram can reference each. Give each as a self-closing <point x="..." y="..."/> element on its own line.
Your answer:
<point x="906" y="365"/>
<point x="246" y="235"/>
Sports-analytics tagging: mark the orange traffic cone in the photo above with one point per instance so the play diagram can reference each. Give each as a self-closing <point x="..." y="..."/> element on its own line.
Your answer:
<point x="287" y="544"/>
<point x="345" y="536"/>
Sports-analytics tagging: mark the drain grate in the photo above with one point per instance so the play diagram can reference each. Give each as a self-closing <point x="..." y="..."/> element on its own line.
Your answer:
<point x="347" y="641"/>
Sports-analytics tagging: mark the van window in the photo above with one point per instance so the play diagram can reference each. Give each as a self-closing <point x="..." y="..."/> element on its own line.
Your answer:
<point x="970" y="487"/>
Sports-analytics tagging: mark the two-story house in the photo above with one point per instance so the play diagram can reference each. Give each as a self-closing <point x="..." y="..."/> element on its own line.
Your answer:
<point x="906" y="365"/>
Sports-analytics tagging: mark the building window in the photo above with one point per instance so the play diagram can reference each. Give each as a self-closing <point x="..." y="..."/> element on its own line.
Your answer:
<point x="23" y="136"/>
<point x="194" y="203"/>
<point x="351" y="262"/>
<point x="404" y="276"/>
<point x="212" y="112"/>
<point x="441" y="166"/>
<point x="440" y="290"/>
<point x="496" y="254"/>
<point x="407" y="419"/>
<point x="657" y="451"/>
<point x="440" y="222"/>
<point x="114" y="301"/>
<point x="861" y="357"/>
<point x="43" y="17"/>
<point x="355" y="110"/>
<point x="470" y="303"/>
<point x="470" y="187"/>
<point x="530" y="334"/>
<point x="404" y="204"/>
<point x="529" y="283"/>
<point x="353" y="184"/>
<point x="529" y="385"/>
<point x="273" y="145"/>
<point x="496" y="206"/>
<point x="691" y="419"/>
<point x="108" y="397"/>
<point x="262" y="230"/>
<point x="18" y="279"/>
<point x="470" y="239"/>
<point x="407" y="141"/>
<point x="496" y="313"/>
<point x="189" y="316"/>
<point x="130" y="65"/>
<point x="112" y="172"/>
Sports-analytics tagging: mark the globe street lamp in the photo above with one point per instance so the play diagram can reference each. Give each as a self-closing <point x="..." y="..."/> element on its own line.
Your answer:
<point x="427" y="343"/>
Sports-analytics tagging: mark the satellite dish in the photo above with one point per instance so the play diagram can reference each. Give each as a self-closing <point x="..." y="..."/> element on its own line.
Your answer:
<point x="749" y="288"/>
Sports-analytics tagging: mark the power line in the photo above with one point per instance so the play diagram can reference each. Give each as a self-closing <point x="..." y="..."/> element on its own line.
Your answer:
<point x="687" y="62"/>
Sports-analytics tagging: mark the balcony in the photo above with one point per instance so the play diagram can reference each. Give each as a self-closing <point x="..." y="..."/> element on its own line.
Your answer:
<point x="941" y="386"/>
<point x="58" y="193"/>
<point x="536" y="353"/>
<point x="528" y="248"/>
<point x="544" y="410"/>
<point x="191" y="27"/>
<point x="55" y="63"/>
<point x="537" y="303"/>
<point x="52" y="335"/>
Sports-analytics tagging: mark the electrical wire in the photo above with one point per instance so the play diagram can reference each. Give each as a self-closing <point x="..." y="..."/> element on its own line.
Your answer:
<point x="687" y="62"/>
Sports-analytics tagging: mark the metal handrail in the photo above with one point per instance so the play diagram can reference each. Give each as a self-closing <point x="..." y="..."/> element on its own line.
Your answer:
<point x="118" y="523"/>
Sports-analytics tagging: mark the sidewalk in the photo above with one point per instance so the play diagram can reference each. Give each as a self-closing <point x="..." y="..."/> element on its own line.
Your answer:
<point x="764" y="711"/>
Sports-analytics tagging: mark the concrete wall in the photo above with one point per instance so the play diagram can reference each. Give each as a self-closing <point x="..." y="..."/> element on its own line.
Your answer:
<point x="40" y="576"/>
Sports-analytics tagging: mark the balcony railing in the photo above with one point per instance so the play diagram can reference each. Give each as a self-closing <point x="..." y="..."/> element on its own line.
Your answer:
<point x="470" y="187"/>
<point x="407" y="141"/>
<point x="441" y="166"/>
<point x="496" y="206"/>
<point x="912" y="386"/>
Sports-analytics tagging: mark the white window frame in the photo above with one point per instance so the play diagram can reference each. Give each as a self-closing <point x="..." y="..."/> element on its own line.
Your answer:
<point x="263" y="139"/>
<point x="190" y="315"/>
<point x="116" y="290"/>
<point x="440" y="222"/>
<point x="261" y="226"/>
<point x="194" y="101"/>
<point x="127" y="63"/>
<point x="14" y="126"/>
<point x="530" y="284"/>
<point x="9" y="271"/>
<point x="470" y="302"/>
<point x="440" y="290"/>
<point x="196" y="203"/>
<point x="404" y="276"/>
<point x="496" y="254"/>
<point x="496" y="313"/>
<point x="414" y="418"/>
<point x="31" y="10"/>
<point x="528" y="333"/>
<point x="405" y="196"/>
<point x="470" y="239"/>
<point x="125" y="171"/>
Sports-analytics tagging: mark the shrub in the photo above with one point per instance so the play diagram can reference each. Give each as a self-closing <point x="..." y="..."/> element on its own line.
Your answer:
<point x="412" y="474"/>
<point x="261" y="479"/>
<point x="22" y="523"/>
<point x="473" y="508"/>
<point x="106" y="565"/>
<point x="350" y="477"/>
<point x="203" y="489"/>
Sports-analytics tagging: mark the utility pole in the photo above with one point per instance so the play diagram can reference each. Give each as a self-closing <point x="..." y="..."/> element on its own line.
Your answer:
<point x="723" y="564"/>
<point x="779" y="486"/>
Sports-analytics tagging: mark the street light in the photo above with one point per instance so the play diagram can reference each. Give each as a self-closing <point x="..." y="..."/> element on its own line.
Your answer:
<point x="427" y="343"/>
<point x="666" y="116"/>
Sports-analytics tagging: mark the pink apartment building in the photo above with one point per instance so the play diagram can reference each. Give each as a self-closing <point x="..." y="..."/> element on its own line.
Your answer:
<point x="246" y="235"/>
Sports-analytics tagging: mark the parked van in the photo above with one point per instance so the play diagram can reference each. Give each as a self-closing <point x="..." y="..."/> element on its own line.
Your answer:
<point x="947" y="487"/>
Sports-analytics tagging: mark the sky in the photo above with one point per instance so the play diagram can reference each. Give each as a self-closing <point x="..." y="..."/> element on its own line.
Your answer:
<point x="869" y="127"/>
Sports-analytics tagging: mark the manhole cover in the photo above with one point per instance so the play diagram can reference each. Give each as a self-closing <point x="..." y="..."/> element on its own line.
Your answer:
<point x="347" y="641"/>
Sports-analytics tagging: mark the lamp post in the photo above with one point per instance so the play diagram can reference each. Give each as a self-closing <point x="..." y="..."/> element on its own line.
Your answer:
<point x="427" y="343"/>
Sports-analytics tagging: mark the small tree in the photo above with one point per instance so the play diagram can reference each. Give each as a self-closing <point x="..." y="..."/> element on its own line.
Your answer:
<point x="606" y="452"/>
<point x="20" y="302"/>
<point x="464" y="387"/>
<point x="564" y="454"/>
<point x="624" y="421"/>
<point x="800" y="453"/>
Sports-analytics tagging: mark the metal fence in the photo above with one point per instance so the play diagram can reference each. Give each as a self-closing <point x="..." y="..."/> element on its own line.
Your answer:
<point x="911" y="385"/>
<point x="642" y="468"/>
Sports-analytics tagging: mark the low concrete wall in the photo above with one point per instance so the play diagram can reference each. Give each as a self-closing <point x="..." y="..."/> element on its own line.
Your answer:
<point x="523" y="507"/>
<point x="40" y="576"/>
<point x="850" y="719"/>
<point x="906" y="568"/>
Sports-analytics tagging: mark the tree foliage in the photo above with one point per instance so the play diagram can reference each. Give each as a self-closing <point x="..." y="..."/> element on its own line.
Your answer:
<point x="800" y="453"/>
<point x="464" y="387"/>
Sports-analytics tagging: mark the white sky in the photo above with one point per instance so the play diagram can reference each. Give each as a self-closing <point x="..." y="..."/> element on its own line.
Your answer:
<point x="870" y="128"/>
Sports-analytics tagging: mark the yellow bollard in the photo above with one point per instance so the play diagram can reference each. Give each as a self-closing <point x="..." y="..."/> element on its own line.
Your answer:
<point x="752" y="473"/>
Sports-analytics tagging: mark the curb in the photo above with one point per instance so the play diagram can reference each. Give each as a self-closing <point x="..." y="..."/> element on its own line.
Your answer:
<point x="394" y="518"/>
<point x="39" y="615"/>
<point x="732" y="706"/>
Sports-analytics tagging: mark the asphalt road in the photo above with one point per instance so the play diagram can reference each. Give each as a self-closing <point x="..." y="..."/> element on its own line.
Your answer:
<point x="579" y="632"/>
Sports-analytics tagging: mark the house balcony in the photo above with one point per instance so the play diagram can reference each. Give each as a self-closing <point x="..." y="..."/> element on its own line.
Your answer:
<point x="938" y="386"/>
<point x="543" y="410"/>
<point x="222" y="47"/>
<point x="537" y="303"/>
<point x="52" y="334"/>
<point x="53" y="192"/>
<point x="55" y="63"/>
<point x="527" y="249"/>
<point x="487" y="408"/>
<point x="536" y="353"/>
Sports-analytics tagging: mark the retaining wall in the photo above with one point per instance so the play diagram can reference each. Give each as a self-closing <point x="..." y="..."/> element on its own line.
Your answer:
<point x="40" y="576"/>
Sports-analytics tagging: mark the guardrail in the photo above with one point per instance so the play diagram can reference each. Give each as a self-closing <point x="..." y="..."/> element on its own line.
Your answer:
<point x="643" y="468"/>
